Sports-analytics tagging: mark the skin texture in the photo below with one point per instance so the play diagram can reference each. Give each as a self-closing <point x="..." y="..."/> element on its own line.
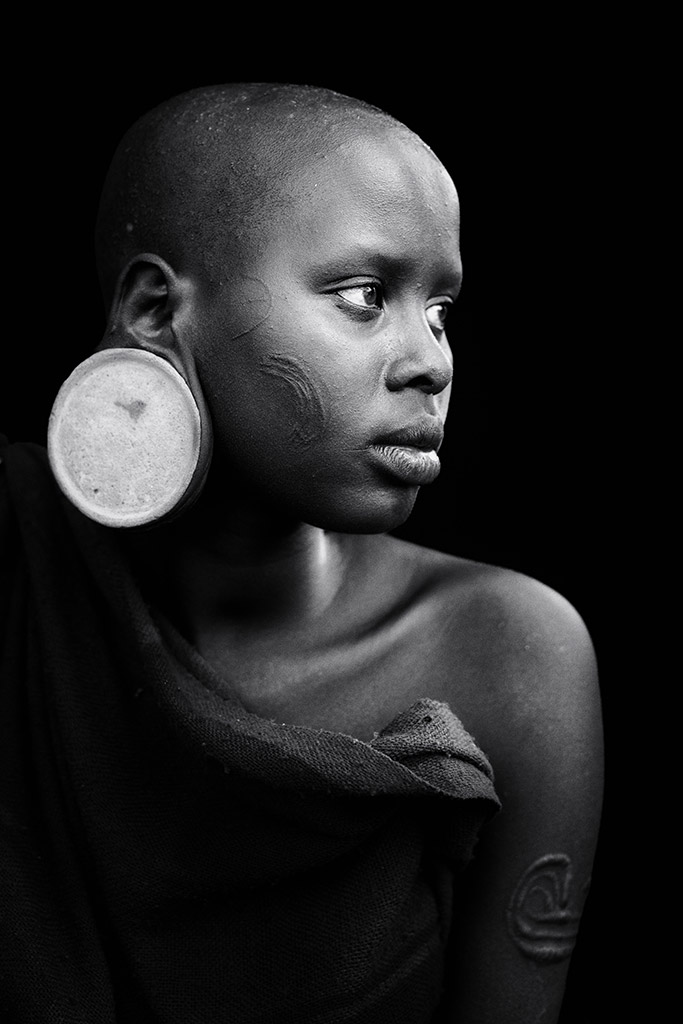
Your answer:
<point x="213" y="165"/>
<point x="309" y="318"/>
<point x="322" y="367"/>
<point x="541" y="919"/>
<point x="307" y="400"/>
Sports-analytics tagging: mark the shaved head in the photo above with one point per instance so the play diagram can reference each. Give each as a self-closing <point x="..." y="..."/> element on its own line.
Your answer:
<point x="204" y="173"/>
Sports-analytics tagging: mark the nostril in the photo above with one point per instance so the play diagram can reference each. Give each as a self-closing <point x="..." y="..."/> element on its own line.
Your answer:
<point x="431" y="385"/>
<point x="431" y="382"/>
<point x="424" y="366"/>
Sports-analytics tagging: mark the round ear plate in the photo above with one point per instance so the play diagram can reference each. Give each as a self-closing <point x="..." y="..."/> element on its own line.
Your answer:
<point x="124" y="437"/>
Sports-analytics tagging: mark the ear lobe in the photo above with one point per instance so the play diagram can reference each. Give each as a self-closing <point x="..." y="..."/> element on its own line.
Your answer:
<point x="129" y="437"/>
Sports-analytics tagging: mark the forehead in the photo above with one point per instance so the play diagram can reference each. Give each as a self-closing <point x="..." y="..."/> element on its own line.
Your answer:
<point x="386" y="191"/>
<point x="389" y="169"/>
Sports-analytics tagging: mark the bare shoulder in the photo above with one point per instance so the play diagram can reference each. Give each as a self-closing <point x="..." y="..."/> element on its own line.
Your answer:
<point x="500" y="639"/>
<point x="515" y="661"/>
<point x="525" y="683"/>
<point x="511" y="657"/>
<point x="526" y="641"/>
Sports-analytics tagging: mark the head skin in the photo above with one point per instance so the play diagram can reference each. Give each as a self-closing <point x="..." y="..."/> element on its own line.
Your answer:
<point x="291" y="251"/>
<point x="213" y="164"/>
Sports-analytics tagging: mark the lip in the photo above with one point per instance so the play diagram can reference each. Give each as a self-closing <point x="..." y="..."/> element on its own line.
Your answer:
<point x="410" y="453"/>
<point x="426" y="435"/>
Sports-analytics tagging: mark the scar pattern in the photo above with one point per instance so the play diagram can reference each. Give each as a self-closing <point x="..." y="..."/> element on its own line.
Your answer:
<point x="257" y="302"/>
<point x="310" y="417"/>
<point x="540" y="916"/>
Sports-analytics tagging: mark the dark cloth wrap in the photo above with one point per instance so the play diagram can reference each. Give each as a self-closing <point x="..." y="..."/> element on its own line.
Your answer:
<point x="167" y="856"/>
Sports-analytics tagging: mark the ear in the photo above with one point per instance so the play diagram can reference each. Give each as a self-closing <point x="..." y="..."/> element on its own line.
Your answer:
<point x="150" y="302"/>
<point x="152" y="309"/>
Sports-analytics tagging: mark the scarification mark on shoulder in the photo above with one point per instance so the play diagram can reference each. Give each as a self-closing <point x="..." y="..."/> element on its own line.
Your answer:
<point x="543" y="915"/>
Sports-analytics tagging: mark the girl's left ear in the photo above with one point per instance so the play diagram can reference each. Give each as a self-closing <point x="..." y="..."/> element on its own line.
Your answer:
<point x="129" y="436"/>
<point x="149" y="303"/>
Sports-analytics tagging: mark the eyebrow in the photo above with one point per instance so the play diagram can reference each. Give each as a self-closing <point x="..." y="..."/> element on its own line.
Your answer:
<point x="348" y="262"/>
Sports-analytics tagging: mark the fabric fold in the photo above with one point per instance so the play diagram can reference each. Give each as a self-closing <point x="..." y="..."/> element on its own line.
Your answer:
<point x="171" y="856"/>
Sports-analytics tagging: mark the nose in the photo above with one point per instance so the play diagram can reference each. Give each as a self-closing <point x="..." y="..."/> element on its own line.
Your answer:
<point x="425" y="364"/>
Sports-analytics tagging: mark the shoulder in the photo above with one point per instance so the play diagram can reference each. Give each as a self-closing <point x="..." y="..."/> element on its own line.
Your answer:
<point x="499" y="620"/>
<point x="534" y="652"/>
<point x="527" y="681"/>
<point x="529" y="688"/>
<point x="514" y="660"/>
<point x="505" y="633"/>
<point x="518" y="668"/>
<point x="525" y="639"/>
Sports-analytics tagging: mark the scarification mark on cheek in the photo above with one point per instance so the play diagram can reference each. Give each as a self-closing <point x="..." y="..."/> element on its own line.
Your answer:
<point x="303" y="401"/>
<point x="545" y="910"/>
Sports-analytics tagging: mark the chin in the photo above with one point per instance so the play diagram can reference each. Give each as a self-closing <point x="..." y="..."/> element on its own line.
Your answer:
<point x="378" y="513"/>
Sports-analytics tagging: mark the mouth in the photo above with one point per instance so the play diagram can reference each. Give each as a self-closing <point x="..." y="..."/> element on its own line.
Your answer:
<point x="410" y="453"/>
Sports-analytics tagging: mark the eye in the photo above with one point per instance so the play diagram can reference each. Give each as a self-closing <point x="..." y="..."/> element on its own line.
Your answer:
<point x="437" y="315"/>
<point x="368" y="296"/>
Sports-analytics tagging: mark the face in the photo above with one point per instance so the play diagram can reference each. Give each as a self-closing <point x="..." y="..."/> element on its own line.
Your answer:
<point x="324" y="358"/>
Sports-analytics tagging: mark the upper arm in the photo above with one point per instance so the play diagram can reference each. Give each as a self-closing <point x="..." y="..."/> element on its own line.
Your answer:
<point x="539" y="721"/>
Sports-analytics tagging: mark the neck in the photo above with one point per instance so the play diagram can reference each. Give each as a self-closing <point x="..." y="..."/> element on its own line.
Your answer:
<point x="246" y="572"/>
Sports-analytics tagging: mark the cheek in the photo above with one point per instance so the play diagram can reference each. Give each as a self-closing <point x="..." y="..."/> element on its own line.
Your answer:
<point x="227" y="320"/>
<point x="263" y="390"/>
<point x="298" y="400"/>
<point x="251" y="305"/>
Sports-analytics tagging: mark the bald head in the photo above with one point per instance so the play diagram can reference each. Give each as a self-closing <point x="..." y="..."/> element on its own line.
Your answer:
<point x="212" y="166"/>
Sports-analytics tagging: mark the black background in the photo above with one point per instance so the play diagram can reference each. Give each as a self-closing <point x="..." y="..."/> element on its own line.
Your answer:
<point x="529" y="478"/>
